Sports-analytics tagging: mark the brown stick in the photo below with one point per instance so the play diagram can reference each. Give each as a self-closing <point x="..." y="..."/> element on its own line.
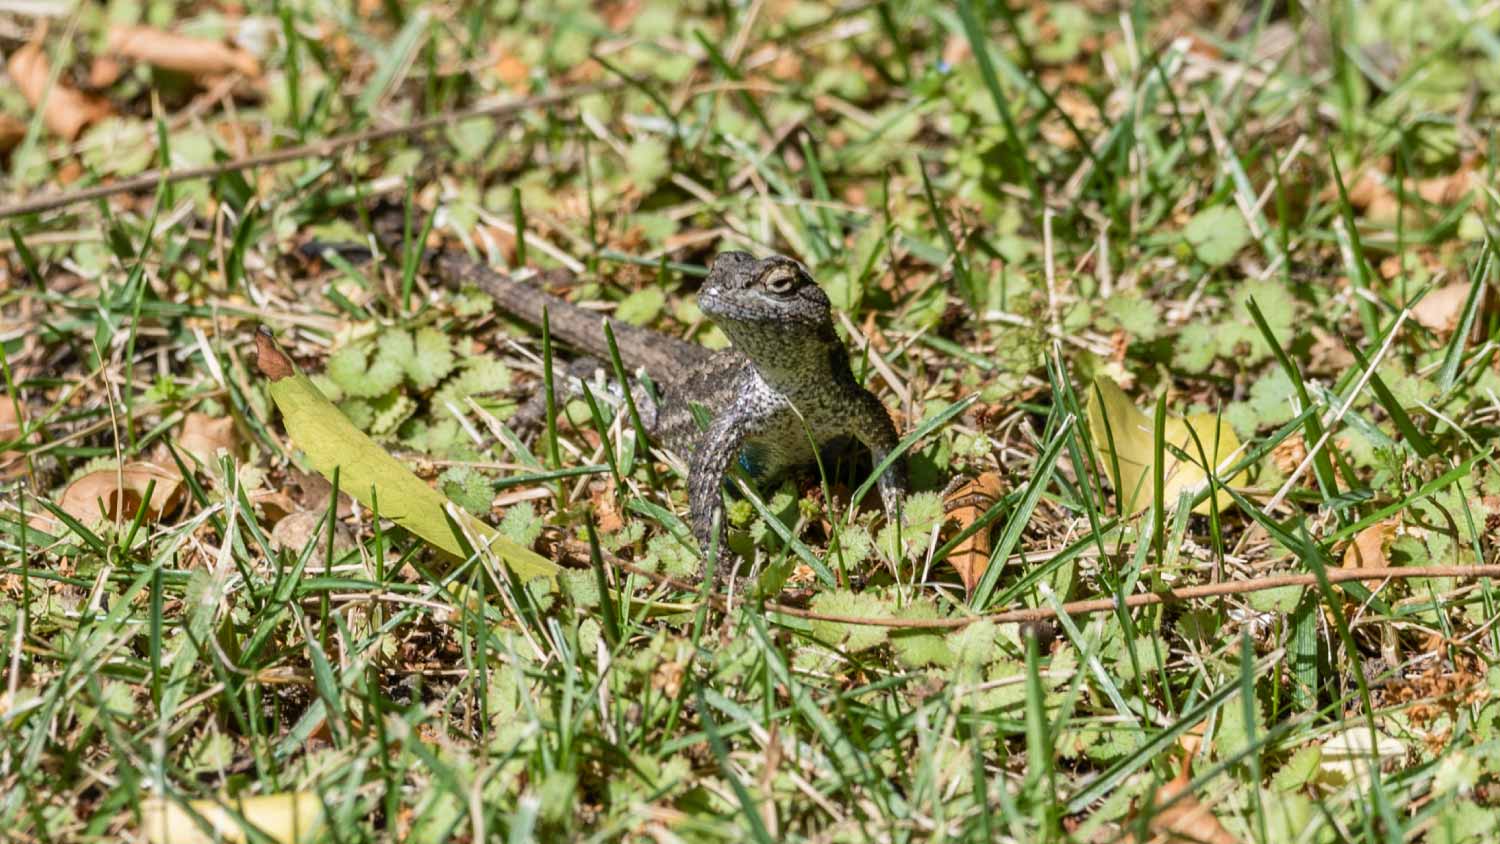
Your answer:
<point x="318" y="149"/>
<point x="1188" y="593"/>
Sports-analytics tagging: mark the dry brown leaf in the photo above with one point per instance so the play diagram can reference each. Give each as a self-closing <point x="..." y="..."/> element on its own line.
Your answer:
<point x="956" y="50"/>
<point x="963" y="508"/>
<point x="10" y="420"/>
<point x="1289" y="454"/>
<point x="45" y="522"/>
<point x="71" y="171"/>
<point x="67" y="110"/>
<point x="1366" y="189"/>
<point x="105" y="71"/>
<point x="1373" y="193"/>
<point x="787" y="66"/>
<point x="1439" y="310"/>
<point x="499" y="242"/>
<point x="1450" y="189"/>
<point x="12" y="461"/>
<point x="11" y="132"/>
<point x="607" y="517"/>
<point x="513" y="71"/>
<point x="311" y="492"/>
<point x="198" y="57"/>
<point x="1192" y="740"/>
<point x="121" y="492"/>
<point x="203" y="436"/>
<point x="295" y="531"/>
<point x="1368" y="550"/>
<point x="273" y="504"/>
<point x="618" y="17"/>
<point x="1185" y="820"/>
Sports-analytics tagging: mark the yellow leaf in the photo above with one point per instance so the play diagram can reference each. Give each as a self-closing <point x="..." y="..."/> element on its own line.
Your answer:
<point x="368" y="472"/>
<point x="1116" y="421"/>
<point x="288" y="817"/>
<point x="1348" y="755"/>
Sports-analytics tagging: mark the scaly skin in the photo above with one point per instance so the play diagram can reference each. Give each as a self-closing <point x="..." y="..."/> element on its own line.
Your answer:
<point x="793" y="392"/>
<point x="783" y="387"/>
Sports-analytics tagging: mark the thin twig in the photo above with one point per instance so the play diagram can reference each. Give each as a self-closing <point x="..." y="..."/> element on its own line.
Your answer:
<point x="1094" y="605"/>
<point x="318" y="149"/>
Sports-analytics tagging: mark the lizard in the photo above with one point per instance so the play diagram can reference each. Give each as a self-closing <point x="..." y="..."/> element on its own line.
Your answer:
<point x="783" y="386"/>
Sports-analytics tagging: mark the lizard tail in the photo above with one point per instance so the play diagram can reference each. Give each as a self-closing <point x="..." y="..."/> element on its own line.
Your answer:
<point x="661" y="356"/>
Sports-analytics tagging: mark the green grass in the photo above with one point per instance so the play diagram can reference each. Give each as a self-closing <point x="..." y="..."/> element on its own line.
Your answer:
<point x="1279" y="217"/>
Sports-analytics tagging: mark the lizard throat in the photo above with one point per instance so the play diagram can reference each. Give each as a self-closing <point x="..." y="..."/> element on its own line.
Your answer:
<point x="790" y="359"/>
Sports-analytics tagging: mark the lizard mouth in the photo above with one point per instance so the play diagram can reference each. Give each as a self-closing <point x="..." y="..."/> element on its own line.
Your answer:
<point x="728" y="310"/>
<point x="713" y="302"/>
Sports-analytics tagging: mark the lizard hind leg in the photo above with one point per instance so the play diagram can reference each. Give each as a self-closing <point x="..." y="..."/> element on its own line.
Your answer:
<point x="568" y="385"/>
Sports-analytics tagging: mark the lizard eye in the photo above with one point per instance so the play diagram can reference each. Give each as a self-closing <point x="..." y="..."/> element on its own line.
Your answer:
<point x="781" y="282"/>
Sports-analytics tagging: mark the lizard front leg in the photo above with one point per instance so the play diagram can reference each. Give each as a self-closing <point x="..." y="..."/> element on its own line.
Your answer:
<point x="871" y="424"/>
<point x="717" y="448"/>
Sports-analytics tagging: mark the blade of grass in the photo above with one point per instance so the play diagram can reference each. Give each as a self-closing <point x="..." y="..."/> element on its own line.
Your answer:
<point x="1313" y="430"/>
<point x="1041" y="478"/>
<point x="1454" y="354"/>
<point x="979" y="45"/>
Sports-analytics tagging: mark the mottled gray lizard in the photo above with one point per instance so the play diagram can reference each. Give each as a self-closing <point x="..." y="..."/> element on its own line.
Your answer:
<point x="785" y="377"/>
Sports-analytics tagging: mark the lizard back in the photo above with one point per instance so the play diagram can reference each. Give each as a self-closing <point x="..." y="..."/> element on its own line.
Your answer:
<point x="684" y="374"/>
<point x="640" y="348"/>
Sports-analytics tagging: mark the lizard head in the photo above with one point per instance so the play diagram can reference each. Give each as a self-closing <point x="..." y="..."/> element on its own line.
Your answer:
<point x="775" y="315"/>
<point x="746" y="296"/>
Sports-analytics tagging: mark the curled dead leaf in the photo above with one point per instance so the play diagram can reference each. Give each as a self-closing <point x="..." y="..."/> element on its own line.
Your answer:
<point x="963" y="507"/>
<point x="204" y="436"/>
<point x="118" y="493"/>
<point x="1368" y="550"/>
<point x="198" y="57"/>
<point x="269" y="359"/>
<point x="67" y="111"/>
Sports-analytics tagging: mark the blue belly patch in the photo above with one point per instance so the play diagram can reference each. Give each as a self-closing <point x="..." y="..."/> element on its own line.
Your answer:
<point x="752" y="461"/>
